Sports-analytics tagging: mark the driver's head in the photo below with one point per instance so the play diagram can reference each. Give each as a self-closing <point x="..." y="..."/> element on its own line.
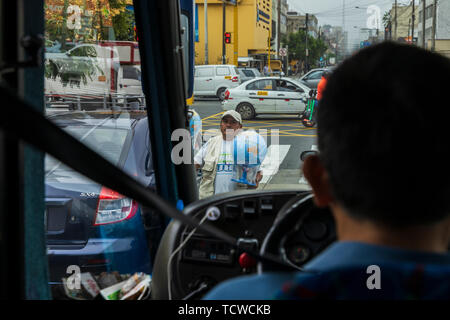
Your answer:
<point x="384" y="137"/>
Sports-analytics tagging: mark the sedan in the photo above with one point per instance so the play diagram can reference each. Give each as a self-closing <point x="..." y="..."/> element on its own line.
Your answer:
<point x="267" y="95"/>
<point x="87" y="224"/>
<point x="312" y="78"/>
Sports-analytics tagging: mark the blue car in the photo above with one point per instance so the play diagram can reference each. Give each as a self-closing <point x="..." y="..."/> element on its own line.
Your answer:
<point x="89" y="225"/>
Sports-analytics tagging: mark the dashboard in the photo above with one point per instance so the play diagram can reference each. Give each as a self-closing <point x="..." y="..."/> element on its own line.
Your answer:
<point x="248" y="216"/>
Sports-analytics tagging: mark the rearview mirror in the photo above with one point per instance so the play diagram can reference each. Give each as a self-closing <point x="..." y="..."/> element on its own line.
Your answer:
<point x="307" y="153"/>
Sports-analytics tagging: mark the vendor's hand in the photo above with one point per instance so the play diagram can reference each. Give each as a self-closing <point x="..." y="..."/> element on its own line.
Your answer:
<point x="259" y="177"/>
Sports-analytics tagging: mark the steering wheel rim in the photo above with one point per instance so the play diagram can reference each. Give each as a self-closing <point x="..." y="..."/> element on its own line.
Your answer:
<point x="293" y="213"/>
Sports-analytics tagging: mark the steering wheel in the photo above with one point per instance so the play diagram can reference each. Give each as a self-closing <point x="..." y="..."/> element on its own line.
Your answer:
<point x="289" y="221"/>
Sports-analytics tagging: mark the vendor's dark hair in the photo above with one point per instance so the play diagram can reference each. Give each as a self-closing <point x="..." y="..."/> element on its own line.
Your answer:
<point x="384" y="137"/>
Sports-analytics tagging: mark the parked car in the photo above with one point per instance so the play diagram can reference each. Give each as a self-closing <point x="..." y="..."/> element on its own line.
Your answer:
<point x="214" y="80"/>
<point x="266" y="95"/>
<point x="312" y="78"/>
<point x="248" y="74"/>
<point x="87" y="224"/>
<point x="85" y="70"/>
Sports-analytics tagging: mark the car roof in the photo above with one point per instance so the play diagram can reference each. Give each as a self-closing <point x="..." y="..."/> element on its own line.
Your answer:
<point x="215" y="65"/>
<point x="119" y="119"/>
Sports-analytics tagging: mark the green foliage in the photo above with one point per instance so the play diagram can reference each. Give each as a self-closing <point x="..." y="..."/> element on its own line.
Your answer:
<point x="123" y="26"/>
<point x="386" y="18"/>
<point x="72" y="70"/>
<point x="297" y="47"/>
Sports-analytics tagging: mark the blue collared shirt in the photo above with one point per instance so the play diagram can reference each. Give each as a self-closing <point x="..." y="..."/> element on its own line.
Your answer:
<point x="341" y="272"/>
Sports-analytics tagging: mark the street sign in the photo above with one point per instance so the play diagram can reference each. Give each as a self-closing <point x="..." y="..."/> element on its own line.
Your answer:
<point x="283" y="52"/>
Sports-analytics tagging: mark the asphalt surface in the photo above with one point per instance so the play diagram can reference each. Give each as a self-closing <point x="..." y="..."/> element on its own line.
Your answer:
<point x="282" y="166"/>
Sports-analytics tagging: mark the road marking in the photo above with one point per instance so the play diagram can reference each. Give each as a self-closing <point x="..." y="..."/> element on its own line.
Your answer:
<point x="214" y="115"/>
<point x="271" y="164"/>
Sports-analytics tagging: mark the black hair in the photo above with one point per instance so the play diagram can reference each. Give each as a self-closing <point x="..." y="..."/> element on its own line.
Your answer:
<point x="384" y="135"/>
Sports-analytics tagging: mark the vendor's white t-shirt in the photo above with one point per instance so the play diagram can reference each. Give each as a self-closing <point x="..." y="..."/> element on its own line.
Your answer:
<point x="225" y="167"/>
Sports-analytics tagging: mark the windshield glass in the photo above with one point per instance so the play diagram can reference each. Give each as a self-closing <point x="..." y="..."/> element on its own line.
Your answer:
<point x="250" y="136"/>
<point x="306" y="38"/>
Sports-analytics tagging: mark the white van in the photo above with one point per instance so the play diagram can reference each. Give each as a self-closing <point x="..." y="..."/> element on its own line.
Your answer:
<point x="214" y="80"/>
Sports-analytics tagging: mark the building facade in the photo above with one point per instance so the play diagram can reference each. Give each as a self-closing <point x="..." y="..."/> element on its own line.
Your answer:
<point x="404" y="22"/>
<point x="297" y="22"/>
<point x="442" y="21"/>
<point x="254" y="30"/>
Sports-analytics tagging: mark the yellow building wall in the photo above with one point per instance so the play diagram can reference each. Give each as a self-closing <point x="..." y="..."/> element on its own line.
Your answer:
<point x="253" y="35"/>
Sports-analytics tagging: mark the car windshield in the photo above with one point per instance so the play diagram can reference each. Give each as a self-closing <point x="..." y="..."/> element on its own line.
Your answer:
<point x="306" y="38"/>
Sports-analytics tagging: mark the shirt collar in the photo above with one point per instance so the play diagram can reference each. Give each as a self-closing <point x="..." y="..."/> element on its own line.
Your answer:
<point x="348" y="253"/>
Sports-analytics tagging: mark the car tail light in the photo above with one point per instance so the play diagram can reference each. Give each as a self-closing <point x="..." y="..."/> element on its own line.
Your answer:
<point x="235" y="79"/>
<point x="113" y="207"/>
<point x="227" y="94"/>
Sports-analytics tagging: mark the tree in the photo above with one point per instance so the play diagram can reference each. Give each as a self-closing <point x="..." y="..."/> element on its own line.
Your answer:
<point x="297" y="47"/>
<point x="97" y="20"/>
<point x="386" y="18"/>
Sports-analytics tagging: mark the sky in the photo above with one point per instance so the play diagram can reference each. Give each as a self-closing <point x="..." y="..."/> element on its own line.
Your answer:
<point x="330" y="12"/>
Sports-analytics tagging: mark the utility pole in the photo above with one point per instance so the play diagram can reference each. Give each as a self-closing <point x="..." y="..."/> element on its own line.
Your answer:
<point x="236" y="39"/>
<point x="306" y="43"/>
<point x="424" y="17"/>
<point x="409" y="29"/>
<point x="433" y="29"/>
<point x="395" y="22"/>
<point x="287" y="60"/>
<point x="224" y="9"/>
<point x="268" y="50"/>
<point x="279" y="27"/>
<point x="344" y="47"/>
<point x="413" y="21"/>
<point x="206" y="32"/>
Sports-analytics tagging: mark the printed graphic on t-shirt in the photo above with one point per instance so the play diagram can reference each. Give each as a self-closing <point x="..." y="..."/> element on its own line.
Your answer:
<point x="225" y="169"/>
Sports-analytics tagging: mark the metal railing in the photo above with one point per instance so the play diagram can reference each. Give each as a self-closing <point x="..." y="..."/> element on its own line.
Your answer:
<point x="95" y="101"/>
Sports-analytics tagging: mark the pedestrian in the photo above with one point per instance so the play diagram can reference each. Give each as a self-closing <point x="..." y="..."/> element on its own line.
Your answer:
<point x="266" y="70"/>
<point x="216" y="158"/>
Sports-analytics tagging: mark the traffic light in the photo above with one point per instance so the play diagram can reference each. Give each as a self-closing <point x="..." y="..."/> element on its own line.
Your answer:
<point x="227" y="37"/>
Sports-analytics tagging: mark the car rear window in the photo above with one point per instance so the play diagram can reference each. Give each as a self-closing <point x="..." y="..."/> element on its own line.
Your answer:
<point x="130" y="72"/>
<point x="108" y="142"/>
<point x="248" y="73"/>
<point x="222" y="71"/>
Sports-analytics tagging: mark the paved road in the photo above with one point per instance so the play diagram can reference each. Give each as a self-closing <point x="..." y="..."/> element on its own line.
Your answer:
<point x="282" y="166"/>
